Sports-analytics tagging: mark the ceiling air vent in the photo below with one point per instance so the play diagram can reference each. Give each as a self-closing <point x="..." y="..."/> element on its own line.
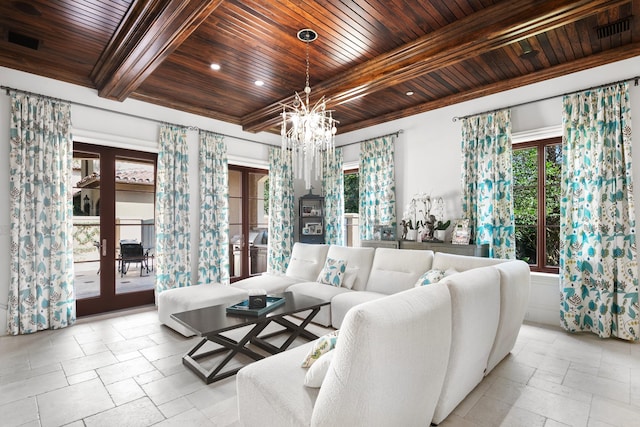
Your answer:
<point x="617" y="27"/>
<point x="23" y="40"/>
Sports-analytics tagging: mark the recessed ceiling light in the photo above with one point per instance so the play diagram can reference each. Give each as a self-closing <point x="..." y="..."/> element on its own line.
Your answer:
<point x="409" y="93"/>
<point x="215" y="67"/>
<point x="259" y="83"/>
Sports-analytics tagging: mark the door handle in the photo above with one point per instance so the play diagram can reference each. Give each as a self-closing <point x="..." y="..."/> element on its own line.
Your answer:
<point x="104" y="247"/>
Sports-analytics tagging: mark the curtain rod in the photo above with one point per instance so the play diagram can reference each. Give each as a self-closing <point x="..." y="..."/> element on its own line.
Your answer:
<point x="635" y="79"/>
<point x="396" y="133"/>
<point x="135" y="116"/>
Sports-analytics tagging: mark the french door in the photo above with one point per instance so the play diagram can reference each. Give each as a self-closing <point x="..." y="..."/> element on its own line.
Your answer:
<point x="114" y="228"/>
<point x="248" y="221"/>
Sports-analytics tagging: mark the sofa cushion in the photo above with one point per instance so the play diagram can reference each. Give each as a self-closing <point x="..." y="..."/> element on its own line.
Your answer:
<point x="323" y="292"/>
<point x="192" y="297"/>
<point x="271" y="391"/>
<point x="475" y="302"/>
<point x="306" y="261"/>
<point x="369" y="382"/>
<point x="317" y="371"/>
<point x="342" y="303"/>
<point x="271" y="283"/>
<point x="322" y="345"/>
<point x="515" y="284"/>
<point x="333" y="272"/>
<point x="359" y="262"/>
<point x="396" y="270"/>
<point x="444" y="261"/>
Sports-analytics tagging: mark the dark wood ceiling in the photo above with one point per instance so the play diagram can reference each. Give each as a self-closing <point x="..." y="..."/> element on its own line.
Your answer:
<point x="368" y="55"/>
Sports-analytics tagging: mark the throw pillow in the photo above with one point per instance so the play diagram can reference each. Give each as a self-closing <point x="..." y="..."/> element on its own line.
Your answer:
<point x="333" y="272"/>
<point x="321" y="346"/>
<point x="316" y="373"/>
<point x="350" y="275"/>
<point x="429" y="277"/>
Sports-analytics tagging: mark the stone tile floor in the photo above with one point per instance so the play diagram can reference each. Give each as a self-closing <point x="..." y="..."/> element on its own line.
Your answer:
<point x="124" y="369"/>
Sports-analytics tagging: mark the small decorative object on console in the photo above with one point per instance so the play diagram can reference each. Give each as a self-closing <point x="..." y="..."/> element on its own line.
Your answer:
<point x="461" y="232"/>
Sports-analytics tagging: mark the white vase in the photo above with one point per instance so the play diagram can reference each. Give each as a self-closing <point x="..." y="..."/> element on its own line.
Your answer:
<point x="412" y="234"/>
<point x="440" y="234"/>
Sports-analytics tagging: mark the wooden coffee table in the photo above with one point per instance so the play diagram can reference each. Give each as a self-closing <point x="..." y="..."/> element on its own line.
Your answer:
<point x="210" y="322"/>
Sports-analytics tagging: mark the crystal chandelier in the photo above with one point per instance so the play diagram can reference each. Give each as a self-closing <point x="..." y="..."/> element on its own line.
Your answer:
<point x="311" y="135"/>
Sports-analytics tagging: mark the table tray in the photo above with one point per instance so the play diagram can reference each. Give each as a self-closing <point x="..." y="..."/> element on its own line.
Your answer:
<point x="242" y="308"/>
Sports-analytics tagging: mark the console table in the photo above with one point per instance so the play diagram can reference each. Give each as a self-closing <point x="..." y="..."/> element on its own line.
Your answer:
<point x="471" y="250"/>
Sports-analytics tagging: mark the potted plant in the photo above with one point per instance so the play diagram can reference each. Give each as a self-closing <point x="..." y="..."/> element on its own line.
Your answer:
<point x="441" y="229"/>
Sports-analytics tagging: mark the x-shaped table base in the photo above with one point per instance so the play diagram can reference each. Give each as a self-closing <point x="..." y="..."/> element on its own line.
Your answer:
<point x="233" y="347"/>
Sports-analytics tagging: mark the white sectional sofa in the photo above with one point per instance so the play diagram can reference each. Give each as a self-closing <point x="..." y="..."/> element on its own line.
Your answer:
<point x="486" y="301"/>
<point x="480" y="331"/>
<point x="487" y="298"/>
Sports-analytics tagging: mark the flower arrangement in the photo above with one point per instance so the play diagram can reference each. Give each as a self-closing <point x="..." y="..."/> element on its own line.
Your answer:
<point x="417" y="216"/>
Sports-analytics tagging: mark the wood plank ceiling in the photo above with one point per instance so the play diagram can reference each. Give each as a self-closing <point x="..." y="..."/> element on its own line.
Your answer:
<point x="368" y="56"/>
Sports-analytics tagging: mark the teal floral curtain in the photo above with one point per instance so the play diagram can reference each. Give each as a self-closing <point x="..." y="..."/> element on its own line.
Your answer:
<point x="377" y="186"/>
<point x="172" y="210"/>
<point x="41" y="290"/>
<point x="213" y="261"/>
<point x="281" y="210"/>
<point x="487" y="182"/>
<point x="333" y="190"/>
<point x="598" y="266"/>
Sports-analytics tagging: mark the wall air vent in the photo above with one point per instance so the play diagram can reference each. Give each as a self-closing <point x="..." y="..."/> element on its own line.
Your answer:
<point x="617" y="27"/>
<point x="22" y="40"/>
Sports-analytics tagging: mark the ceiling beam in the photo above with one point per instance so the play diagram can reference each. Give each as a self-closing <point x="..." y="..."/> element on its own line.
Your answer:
<point x="608" y="56"/>
<point x="149" y="32"/>
<point x="489" y="29"/>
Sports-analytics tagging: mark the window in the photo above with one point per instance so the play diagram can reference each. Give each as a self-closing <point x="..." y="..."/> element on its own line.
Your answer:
<point x="351" y="206"/>
<point x="536" y="174"/>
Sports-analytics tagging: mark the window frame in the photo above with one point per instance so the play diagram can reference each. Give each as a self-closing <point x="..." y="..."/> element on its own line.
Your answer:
<point x="541" y="239"/>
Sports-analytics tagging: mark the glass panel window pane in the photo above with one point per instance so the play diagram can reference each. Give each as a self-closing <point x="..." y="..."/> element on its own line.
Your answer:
<point x="525" y="191"/>
<point x="86" y="224"/>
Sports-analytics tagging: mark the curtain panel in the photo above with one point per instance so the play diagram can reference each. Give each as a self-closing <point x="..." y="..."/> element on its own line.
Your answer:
<point x="333" y="190"/>
<point x="41" y="288"/>
<point x="487" y="182"/>
<point x="172" y="210"/>
<point x="598" y="264"/>
<point x="377" y="186"/>
<point x="213" y="260"/>
<point x="281" y="210"/>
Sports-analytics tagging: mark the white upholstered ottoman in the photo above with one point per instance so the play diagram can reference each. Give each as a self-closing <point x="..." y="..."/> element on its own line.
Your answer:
<point x="192" y="297"/>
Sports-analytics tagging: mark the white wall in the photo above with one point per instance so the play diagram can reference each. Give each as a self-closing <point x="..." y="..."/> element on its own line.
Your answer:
<point x="427" y="151"/>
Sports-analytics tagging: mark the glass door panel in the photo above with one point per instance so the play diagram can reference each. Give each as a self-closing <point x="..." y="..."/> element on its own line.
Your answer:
<point x="248" y="221"/>
<point x="258" y="221"/>
<point x="114" y="228"/>
<point x="236" y="234"/>
<point x="135" y="225"/>
<point x="86" y="224"/>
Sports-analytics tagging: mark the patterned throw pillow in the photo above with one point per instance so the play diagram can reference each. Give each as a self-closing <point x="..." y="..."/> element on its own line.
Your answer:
<point x="321" y="346"/>
<point x="429" y="277"/>
<point x="333" y="272"/>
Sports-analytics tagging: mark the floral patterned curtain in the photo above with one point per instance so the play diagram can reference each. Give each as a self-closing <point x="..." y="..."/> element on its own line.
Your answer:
<point x="487" y="183"/>
<point x="333" y="190"/>
<point x="41" y="290"/>
<point x="281" y="210"/>
<point x="598" y="266"/>
<point x="377" y="186"/>
<point x="213" y="261"/>
<point x="172" y="210"/>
